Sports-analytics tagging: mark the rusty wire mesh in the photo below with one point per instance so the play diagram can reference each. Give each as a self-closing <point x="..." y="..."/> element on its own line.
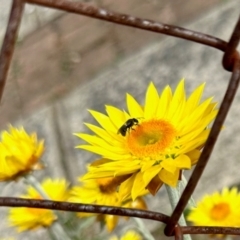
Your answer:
<point x="230" y="62"/>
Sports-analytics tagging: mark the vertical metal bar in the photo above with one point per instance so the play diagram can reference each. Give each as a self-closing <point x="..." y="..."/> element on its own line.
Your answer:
<point x="9" y="41"/>
<point x="178" y="233"/>
<point x="231" y="53"/>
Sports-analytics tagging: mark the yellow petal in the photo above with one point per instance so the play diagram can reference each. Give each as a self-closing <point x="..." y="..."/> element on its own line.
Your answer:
<point x="164" y="102"/>
<point x="177" y="99"/>
<point x="190" y="136"/>
<point x="95" y="175"/>
<point x="111" y="222"/>
<point x="97" y="141"/>
<point x="190" y="122"/>
<point x="134" y="109"/>
<point x="116" y="116"/>
<point x="125" y="188"/>
<point x="170" y="179"/>
<point x="194" y="155"/>
<point x="179" y="114"/>
<point x="169" y="165"/>
<point x="208" y="118"/>
<point x="194" y="99"/>
<point x="210" y="108"/>
<point x="182" y="161"/>
<point x="104" y="121"/>
<point x="195" y="143"/>
<point x="139" y="186"/>
<point x="117" y="168"/>
<point x="100" y="162"/>
<point x="104" y="135"/>
<point x="151" y="102"/>
<point x="151" y="173"/>
<point x="147" y="165"/>
<point x="105" y="153"/>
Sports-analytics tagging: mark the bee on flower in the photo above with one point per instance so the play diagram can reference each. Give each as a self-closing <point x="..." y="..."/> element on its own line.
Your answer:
<point x="156" y="141"/>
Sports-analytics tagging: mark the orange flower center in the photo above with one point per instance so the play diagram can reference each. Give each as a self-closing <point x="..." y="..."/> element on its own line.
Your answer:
<point x="151" y="138"/>
<point x="220" y="211"/>
<point x="107" y="185"/>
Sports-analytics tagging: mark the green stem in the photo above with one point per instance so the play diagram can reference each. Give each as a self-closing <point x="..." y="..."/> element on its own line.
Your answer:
<point x="142" y="228"/>
<point x="183" y="183"/>
<point x="51" y="234"/>
<point x="174" y="196"/>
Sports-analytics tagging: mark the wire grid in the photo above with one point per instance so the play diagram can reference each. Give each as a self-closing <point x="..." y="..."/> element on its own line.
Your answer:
<point x="230" y="62"/>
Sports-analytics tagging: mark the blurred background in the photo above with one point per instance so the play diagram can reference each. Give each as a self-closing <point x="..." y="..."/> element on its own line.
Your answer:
<point x="64" y="64"/>
<point x="57" y="51"/>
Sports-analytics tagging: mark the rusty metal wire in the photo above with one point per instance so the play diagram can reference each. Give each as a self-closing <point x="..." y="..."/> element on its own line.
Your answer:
<point x="231" y="62"/>
<point x="79" y="207"/>
<point x="231" y="55"/>
<point x="178" y="232"/>
<point x="119" y="211"/>
<point x="9" y="41"/>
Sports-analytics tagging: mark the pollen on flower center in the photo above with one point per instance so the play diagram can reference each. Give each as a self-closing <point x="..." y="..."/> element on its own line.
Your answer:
<point x="151" y="138"/>
<point x="220" y="211"/>
<point x="106" y="185"/>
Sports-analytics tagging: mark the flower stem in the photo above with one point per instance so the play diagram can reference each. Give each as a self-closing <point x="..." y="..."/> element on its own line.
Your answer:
<point x="51" y="234"/>
<point x="142" y="228"/>
<point x="56" y="226"/>
<point x="174" y="195"/>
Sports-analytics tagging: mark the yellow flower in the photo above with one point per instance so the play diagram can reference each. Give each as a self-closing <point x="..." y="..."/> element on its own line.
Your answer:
<point x="150" y="144"/>
<point x="218" y="209"/>
<point x="103" y="191"/>
<point x="138" y="203"/>
<point x="98" y="191"/>
<point x="32" y="218"/>
<point x="19" y="153"/>
<point x="129" y="235"/>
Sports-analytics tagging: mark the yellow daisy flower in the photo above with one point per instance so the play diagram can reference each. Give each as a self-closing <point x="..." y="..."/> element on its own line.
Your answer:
<point x="112" y="220"/>
<point x="103" y="191"/>
<point x="19" y="153"/>
<point x="138" y="203"/>
<point x="218" y="209"/>
<point x="129" y="235"/>
<point x="150" y="144"/>
<point x="32" y="218"/>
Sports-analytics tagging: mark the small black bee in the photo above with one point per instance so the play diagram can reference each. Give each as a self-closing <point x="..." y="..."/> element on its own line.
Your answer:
<point x="127" y="126"/>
